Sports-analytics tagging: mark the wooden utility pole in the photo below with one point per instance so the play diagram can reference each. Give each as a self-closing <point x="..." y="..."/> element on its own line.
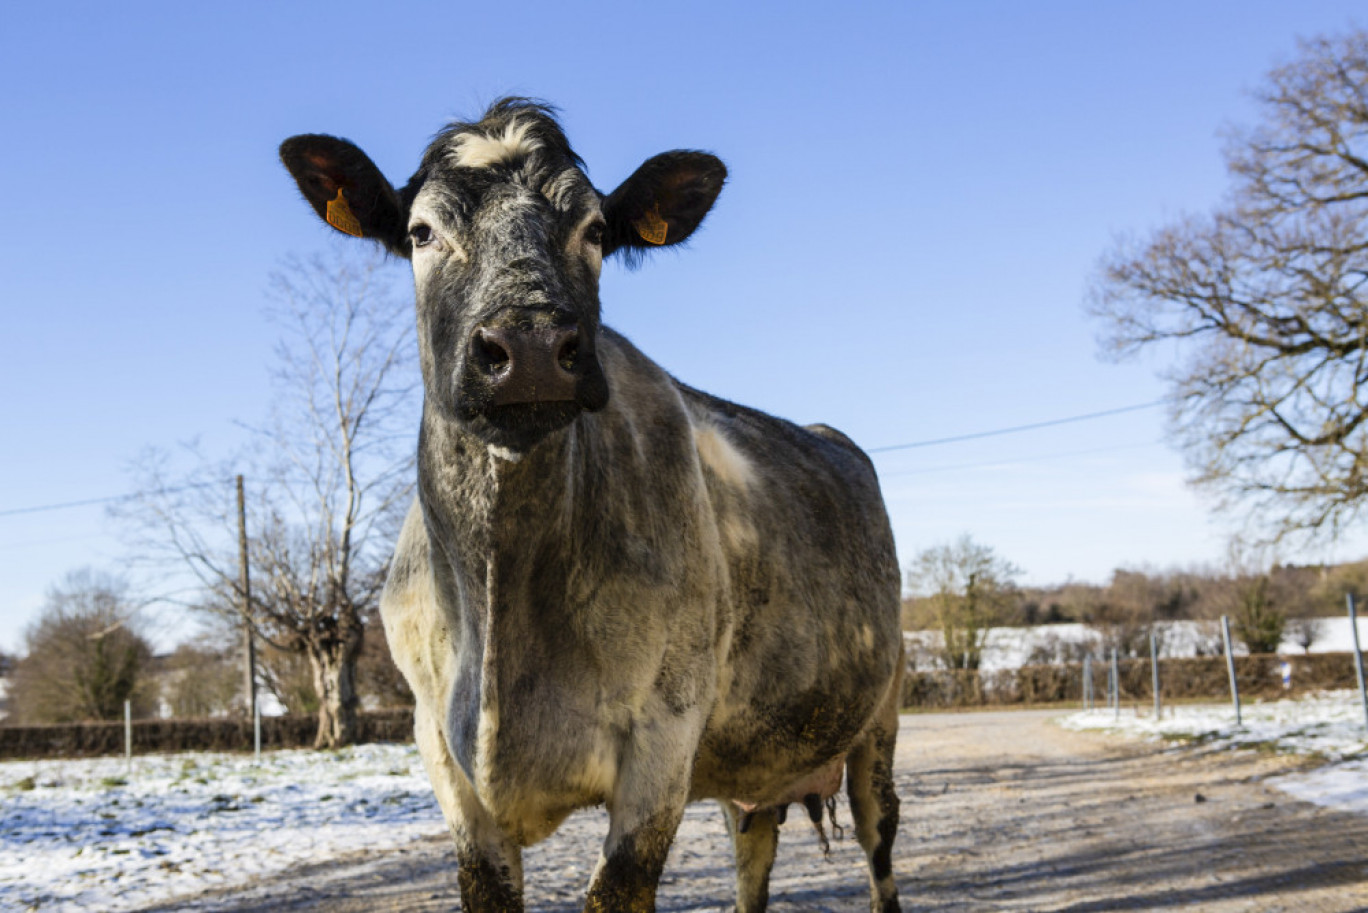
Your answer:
<point x="245" y="607"/>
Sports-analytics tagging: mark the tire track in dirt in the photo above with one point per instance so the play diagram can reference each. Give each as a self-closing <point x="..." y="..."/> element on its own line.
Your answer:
<point x="1001" y="812"/>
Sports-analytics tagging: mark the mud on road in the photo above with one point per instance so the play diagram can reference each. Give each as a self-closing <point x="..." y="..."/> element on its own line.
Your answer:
<point x="1001" y="811"/>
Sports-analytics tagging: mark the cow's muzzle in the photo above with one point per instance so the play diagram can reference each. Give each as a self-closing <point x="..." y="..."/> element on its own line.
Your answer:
<point x="524" y="365"/>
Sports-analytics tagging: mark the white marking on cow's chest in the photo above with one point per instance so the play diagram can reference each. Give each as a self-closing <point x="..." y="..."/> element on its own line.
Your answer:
<point x="503" y="453"/>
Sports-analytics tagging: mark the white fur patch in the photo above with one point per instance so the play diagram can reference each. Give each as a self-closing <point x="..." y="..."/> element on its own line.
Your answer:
<point x="503" y="453"/>
<point x="476" y="150"/>
<point x="722" y="457"/>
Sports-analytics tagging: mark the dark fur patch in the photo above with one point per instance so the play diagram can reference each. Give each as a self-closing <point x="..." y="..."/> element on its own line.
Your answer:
<point x="627" y="882"/>
<point x="485" y="889"/>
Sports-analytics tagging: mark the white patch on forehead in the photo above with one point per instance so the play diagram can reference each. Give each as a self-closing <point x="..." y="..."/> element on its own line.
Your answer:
<point x="478" y="150"/>
<point x="721" y="456"/>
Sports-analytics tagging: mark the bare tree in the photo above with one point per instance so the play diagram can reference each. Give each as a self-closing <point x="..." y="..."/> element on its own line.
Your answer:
<point x="330" y="479"/>
<point x="1266" y="299"/>
<point x="967" y="589"/>
<point x="201" y="679"/>
<point x="1124" y="613"/>
<point x="1305" y="631"/>
<point x="85" y="656"/>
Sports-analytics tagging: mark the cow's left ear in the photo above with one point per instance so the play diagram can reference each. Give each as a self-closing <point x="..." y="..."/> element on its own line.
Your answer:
<point x="346" y="189"/>
<point x="662" y="202"/>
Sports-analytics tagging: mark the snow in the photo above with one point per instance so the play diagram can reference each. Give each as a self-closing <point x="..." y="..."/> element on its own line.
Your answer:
<point x="95" y="834"/>
<point x="1008" y="648"/>
<point x="1330" y="725"/>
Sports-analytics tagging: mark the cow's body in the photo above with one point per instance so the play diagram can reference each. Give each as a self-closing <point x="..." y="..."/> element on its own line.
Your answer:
<point x="664" y="597"/>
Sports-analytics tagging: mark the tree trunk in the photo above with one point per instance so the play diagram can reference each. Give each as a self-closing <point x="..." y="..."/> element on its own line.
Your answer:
<point x="334" y="671"/>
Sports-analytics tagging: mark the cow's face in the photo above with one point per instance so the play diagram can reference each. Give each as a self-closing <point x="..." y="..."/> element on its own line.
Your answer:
<point x="507" y="237"/>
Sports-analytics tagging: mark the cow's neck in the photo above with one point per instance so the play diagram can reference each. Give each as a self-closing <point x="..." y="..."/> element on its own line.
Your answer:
<point x="470" y="493"/>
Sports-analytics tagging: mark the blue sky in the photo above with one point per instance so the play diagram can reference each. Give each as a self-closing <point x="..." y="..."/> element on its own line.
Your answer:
<point x="918" y="195"/>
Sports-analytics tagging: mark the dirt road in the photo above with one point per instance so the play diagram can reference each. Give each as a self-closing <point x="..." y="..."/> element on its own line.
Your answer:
<point x="1001" y="811"/>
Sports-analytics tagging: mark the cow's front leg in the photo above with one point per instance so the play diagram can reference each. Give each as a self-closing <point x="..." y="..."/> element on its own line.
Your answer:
<point x="489" y="866"/>
<point x="644" y="813"/>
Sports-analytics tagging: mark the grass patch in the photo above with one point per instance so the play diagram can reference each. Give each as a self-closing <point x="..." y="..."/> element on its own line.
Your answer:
<point x="1189" y="738"/>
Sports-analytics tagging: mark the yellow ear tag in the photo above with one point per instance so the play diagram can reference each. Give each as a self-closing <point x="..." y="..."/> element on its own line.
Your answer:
<point x="652" y="227"/>
<point x="341" y="217"/>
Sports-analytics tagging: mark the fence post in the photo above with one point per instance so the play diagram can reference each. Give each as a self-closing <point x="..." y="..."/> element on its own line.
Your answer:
<point x="256" y="727"/>
<point x="1230" y="667"/>
<point x="1087" y="681"/>
<point x="128" y="734"/>
<point x="1358" y="656"/>
<point x="1116" y="683"/>
<point x="1154" y="666"/>
<point x="1111" y="682"/>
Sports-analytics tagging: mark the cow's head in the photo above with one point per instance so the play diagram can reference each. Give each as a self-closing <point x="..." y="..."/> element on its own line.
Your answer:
<point x="506" y="236"/>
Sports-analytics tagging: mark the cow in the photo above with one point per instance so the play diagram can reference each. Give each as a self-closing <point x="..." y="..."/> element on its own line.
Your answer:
<point x="611" y="588"/>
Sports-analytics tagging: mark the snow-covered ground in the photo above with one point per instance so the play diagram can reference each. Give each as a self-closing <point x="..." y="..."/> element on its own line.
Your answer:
<point x="1330" y="724"/>
<point x="93" y="834"/>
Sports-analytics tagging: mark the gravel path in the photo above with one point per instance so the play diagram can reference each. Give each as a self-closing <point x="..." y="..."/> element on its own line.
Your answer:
<point x="1001" y="811"/>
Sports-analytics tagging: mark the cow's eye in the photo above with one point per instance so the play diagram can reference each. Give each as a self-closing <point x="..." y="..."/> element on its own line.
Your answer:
<point x="421" y="235"/>
<point x="594" y="234"/>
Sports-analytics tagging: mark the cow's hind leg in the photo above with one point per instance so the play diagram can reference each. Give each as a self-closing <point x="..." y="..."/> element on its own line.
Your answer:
<point x="874" y="802"/>
<point x="754" y="854"/>
<point x="489" y="867"/>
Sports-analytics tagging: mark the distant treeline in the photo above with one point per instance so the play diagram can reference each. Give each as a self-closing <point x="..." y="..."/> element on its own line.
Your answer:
<point x="1262" y="607"/>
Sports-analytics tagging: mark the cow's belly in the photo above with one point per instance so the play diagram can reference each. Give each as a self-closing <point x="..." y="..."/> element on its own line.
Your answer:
<point x="757" y="759"/>
<point x="783" y="725"/>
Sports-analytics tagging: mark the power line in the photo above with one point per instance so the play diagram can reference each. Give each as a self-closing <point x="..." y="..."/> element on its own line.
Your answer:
<point x="1015" y="428"/>
<point x="41" y="508"/>
<point x="1044" y="457"/>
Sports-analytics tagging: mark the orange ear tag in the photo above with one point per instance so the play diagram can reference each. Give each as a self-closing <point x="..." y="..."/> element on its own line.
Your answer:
<point x="652" y="227"/>
<point x="341" y="217"/>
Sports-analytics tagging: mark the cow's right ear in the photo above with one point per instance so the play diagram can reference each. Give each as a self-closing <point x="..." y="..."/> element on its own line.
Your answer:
<point x="346" y="189"/>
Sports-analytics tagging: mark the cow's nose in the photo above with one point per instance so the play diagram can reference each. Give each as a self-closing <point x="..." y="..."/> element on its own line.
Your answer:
<point x="528" y="364"/>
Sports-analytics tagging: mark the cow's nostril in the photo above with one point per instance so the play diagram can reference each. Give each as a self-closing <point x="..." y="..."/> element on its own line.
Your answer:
<point x="568" y="353"/>
<point x="492" y="352"/>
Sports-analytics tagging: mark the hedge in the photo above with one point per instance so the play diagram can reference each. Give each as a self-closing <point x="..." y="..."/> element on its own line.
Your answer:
<point x="1201" y="678"/>
<point x="76" y="740"/>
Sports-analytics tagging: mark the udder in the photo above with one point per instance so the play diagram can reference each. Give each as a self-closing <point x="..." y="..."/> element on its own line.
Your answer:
<point x="812" y="790"/>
